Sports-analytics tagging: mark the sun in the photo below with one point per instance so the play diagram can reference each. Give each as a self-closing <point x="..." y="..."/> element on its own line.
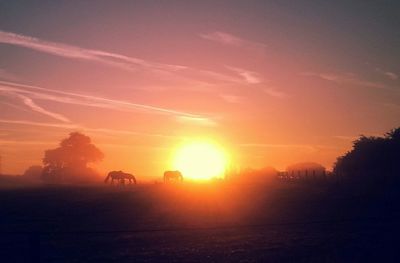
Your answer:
<point x="200" y="160"/>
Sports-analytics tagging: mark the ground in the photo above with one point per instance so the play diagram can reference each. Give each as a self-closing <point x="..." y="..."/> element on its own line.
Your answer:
<point x="274" y="222"/>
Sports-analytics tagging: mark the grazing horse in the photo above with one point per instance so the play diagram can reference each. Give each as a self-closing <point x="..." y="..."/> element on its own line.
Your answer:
<point x="172" y="175"/>
<point x="121" y="177"/>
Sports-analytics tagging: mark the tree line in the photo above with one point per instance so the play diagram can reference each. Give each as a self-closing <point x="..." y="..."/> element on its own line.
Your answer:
<point x="371" y="160"/>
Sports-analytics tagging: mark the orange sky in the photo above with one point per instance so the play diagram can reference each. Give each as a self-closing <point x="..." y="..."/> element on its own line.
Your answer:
<point x="272" y="84"/>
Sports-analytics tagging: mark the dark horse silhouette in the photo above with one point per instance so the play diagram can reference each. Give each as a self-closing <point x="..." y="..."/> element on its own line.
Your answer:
<point x="172" y="175"/>
<point x="120" y="176"/>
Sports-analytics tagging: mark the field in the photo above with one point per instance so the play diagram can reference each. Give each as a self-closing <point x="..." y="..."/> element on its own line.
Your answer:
<point x="276" y="222"/>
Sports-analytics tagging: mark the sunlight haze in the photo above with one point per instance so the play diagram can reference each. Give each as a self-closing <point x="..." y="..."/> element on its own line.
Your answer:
<point x="200" y="160"/>
<point x="282" y="84"/>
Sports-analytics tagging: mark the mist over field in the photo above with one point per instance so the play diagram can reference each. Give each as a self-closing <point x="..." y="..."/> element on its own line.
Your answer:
<point x="278" y="222"/>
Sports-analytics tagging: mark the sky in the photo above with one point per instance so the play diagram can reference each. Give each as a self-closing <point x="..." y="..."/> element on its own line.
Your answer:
<point x="272" y="82"/>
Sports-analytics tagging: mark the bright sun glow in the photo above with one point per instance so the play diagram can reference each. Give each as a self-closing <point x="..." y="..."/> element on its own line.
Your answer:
<point x="200" y="161"/>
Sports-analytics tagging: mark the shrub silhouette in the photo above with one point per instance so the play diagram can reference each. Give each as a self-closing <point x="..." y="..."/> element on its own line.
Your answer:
<point x="256" y="176"/>
<point x="69" y="161"/>
<point x="372" y="159"/>
<point x="34" y="172"/>
<point x="306" y="171"/>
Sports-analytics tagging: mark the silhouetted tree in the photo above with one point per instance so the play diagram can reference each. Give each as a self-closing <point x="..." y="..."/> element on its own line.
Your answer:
<point x="70" y="158"/>
<point x="372" y="159"/>
<point x="34" y="172"/>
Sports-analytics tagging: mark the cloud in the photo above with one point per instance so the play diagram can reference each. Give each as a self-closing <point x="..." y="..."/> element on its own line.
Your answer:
<point x="29" y="102"/>
<point x="392" y="106"/>
<point x="224" y="38"/>
<point x="251" y="77"/>
<point x="15" y="106"/>
<point x="74" y="127"/>
<point x="391" y="75"/>
<point x="387" y="74"/>
<point x="345" y="78"/>
<point x="108" y="58"/>
<point x="308" y="147"/>
<point x="231" y="98"/>
<point x="43" y="124"/>
<point x="19" y="142"/>
<point x="74" y="52"/>
<point x="268" y="145"/>
<point x="248" y="76"/>
<point x="302" y="147"/>
<point x="218" y="76"/>
<point x="231" y="40"/>
<point x="191" y="78"/>
<point x="88" y="100"/>
<point x="4" y="74"/>
<point x="273" y="92"/>
<point x="197" y="120"/>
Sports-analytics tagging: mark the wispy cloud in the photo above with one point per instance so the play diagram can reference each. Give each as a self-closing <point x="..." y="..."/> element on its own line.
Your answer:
<point x="392" y="106"/>
<point x="387" y="74"/>
<point x="269" y="145"/>
<point x="273" y="92"/>
<point x="196" y="79"/>
<point x="15" y="106"/>
<point x="224" y="38"/>
<point x="231" y="98"/>
<point x="110" y="59"/>
<point x="6" y="75"/>
<point x="391" y="75"/>
<point x="197" y="120"/>
<point x="232" y="40"/>
<point x="345" y="78"/>
<point x="86" y="100"/>
<point x="74" y="52"/>
<point x="25" y="142"/>
<point x="32" y="105"/>
<point x="308" y="147"/>
<point x="43" y="124"/>
<point x="217" y="76"/>
<point x="250" y="77"/>
<point x="75" y="127"/>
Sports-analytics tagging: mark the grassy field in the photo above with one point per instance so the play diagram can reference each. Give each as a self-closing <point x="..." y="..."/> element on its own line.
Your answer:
<point x="276" y="222"/>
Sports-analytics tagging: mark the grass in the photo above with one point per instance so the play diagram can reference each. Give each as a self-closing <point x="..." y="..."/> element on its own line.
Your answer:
<point x="195" y="223"/>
